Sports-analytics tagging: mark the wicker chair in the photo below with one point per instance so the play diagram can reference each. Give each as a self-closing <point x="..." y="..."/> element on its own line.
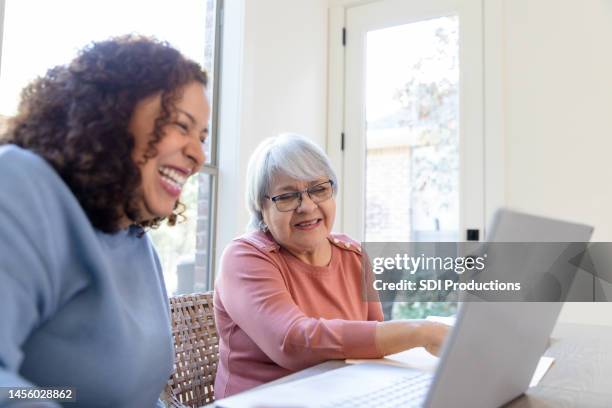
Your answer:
<point x="196" y="347"/>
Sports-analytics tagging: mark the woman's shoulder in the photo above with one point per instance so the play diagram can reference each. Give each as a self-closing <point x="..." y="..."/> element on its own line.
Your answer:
<point x="345" y="243"/>
<point x="258" y="241"/>
<point x="34" y="194"/>
<point x="18" y="156"/>
<point x="251" y="254"/>
<point x="23" y="170"/>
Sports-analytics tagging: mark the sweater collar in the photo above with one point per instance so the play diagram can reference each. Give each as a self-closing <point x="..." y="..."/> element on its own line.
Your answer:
<point x="265" y="242"/>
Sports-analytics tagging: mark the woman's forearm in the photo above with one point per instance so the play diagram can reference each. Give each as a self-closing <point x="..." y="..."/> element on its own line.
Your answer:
<point x="399" y="335"/>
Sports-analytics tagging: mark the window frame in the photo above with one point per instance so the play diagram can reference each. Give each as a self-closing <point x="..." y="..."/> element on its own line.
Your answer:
<point x="2" y="8"/>
<point x="212" y="168"/>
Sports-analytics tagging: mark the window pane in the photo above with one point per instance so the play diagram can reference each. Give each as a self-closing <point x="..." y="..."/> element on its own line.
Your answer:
<point x="65" y="26"/>
<point x="184" y="248"/>
<point x="204" y="234"/>
<point x="412" y="158"/>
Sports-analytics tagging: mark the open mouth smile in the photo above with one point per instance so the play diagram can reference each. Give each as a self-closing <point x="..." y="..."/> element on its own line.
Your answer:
<point x="172" y="180"/>
<point x="308" y="224"/>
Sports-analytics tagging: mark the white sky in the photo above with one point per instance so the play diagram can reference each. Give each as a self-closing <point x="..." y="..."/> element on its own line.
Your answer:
<point x="391" y="53"/>
<point x="41" y="34"/>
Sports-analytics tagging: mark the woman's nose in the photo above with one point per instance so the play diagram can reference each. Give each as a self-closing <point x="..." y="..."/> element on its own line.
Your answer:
<point x="195" y="151"/>
<point x="306" y="204"/>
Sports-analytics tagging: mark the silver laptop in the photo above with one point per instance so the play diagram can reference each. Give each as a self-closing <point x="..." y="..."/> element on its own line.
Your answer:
<point x="488" y="359"/>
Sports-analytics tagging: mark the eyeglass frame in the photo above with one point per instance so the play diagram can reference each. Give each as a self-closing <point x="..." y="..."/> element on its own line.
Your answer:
<point x="301" y="194"/>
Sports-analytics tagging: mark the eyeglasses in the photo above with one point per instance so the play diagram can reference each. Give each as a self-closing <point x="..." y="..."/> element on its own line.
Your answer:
<point x="290" y="201"/>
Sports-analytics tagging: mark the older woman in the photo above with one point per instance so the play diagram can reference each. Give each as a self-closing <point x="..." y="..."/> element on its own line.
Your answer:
<point x="289" y="292"/>
<point x="99" y="151"/>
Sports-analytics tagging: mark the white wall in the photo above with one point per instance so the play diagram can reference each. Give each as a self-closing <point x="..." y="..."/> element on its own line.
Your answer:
<point x="557" y="108"/>
<point x="274" y="72"/>
<point x="285" y="68"/>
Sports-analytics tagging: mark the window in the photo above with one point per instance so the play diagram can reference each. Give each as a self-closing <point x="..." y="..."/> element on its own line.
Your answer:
<point x="66" y="26"/>
<point x="411" y="136"/>
<point x="412" y="140"/>
<point x="412" y="146"/>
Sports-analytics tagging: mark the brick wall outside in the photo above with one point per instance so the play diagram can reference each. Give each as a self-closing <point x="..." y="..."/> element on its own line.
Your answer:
<point x="3" y="123"/>
<point x="388" y="196"/>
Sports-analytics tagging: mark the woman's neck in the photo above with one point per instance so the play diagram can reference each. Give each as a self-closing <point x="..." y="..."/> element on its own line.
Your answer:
<point x="319" y="256"/>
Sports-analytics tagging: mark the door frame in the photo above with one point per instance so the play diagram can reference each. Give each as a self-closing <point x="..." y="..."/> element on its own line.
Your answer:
<point x="486" y="119"/>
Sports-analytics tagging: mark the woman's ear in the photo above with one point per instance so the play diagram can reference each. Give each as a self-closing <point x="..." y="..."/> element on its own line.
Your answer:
<point x="263" y="223"/>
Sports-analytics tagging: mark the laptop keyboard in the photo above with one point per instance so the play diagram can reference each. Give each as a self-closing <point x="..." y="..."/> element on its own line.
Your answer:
<point x="409" y="391"/>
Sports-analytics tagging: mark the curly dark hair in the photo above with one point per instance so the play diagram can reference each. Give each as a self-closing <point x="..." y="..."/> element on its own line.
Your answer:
<point x="76" y="117"/>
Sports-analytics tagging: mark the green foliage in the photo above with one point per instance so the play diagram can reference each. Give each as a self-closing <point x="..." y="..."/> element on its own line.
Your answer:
<point x="430" y="102"/>
<point x="420" y="310"/>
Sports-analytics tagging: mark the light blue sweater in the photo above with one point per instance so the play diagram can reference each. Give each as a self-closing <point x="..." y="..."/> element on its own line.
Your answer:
<point x="78" y="308"/>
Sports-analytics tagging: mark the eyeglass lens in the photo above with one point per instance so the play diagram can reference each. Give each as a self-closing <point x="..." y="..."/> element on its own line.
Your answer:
<point x="291" y="201"/>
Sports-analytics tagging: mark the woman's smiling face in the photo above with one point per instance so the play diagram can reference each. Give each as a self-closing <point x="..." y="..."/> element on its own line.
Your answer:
<point x="305" y="229"/>
<point x="179" y="153"/>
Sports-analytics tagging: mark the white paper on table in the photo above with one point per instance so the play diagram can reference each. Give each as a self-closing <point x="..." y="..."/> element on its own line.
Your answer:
<point x="541" y="369"/>
<point x="417" y="358"/>
<point x="420" y="359"/>
<point x="448" y="320"/>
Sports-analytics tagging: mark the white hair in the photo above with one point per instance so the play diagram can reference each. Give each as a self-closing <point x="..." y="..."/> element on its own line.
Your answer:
<point x="287" y="154"/>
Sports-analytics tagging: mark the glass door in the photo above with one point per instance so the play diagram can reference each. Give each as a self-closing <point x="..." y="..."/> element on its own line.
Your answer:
<point x="413" y="161"/>
<point x="412" y="138"/>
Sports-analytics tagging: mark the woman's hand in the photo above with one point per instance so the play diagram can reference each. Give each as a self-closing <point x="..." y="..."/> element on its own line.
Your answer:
<point x="434" y="335"/>
<point x="399" y="335"/>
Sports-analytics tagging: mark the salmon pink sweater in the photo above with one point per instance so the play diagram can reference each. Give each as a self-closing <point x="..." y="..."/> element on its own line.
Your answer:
<point x="276" y="314"/>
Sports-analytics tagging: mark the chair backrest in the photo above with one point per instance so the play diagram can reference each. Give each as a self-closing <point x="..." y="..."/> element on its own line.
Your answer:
<point x="196" y="347"/>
